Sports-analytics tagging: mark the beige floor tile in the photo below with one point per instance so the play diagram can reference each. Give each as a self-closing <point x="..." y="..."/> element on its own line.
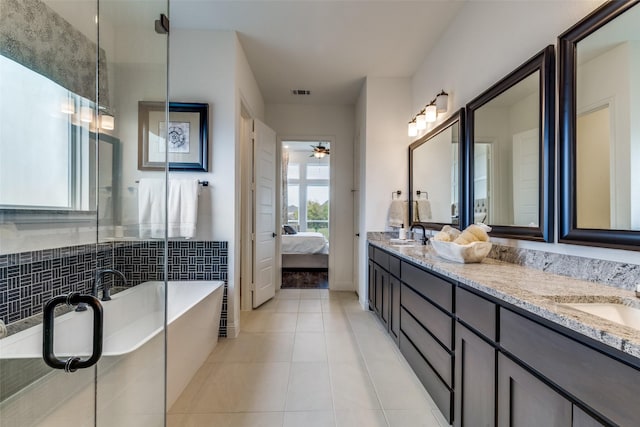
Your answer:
<point x="310" y="322"/>
<point x="288" y="294"/>
<point x="254" y="321"/>
<point x="396" y="387"/>
<point x="411" y="418"/>
<point x="273" y="347"/>
<point x="280" y="322"/>
<point x="364" y="322"/>
<point x="330" y="305"/>
<point x="243" y="387"/>
<point x="287" y="305"/>
<point x="360" y="418"/>
<point x="310" y="306"/>
<point x="309" y="419"/>
<point x="184" y="402"/>
<point x="378" y="346"/>
<point x="311" y="293"/>
<point x="352" y="388"/>
<point x="336" y="322"/>
<point x="239" y="349"/>
<point x="351" y="305"/>
<point x="256" y="419"/>
<point x="309" y="387"/>
<point x="269" y="305"/>
<point x="342" y="347"/>
<point x="176" y="420"/>
<point x="309" y="347"/>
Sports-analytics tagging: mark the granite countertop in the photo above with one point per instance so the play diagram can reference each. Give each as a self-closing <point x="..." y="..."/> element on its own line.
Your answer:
<point x="536" y="291"/>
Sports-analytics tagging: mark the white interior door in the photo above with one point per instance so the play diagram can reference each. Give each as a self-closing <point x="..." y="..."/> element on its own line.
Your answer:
<point x="526" y="188"/>
<point x="264" y="243"/>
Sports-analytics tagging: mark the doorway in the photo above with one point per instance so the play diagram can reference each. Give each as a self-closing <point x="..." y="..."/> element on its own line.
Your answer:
<point x="305" y="197"/>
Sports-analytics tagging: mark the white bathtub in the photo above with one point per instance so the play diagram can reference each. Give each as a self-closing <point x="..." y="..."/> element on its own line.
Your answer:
<point x="132" y="361"/>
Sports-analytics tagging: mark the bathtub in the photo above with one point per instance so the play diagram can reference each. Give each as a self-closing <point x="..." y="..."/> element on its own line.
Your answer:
<point x="132" y="360"/>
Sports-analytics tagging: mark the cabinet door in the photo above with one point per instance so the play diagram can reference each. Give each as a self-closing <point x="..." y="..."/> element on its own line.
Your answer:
<point x="525" y="401"/>
<point x="394" y="307"/>
<point x="582" y="419"/>
<point x="475" y="380"/>
<point x="378" y="282"/>
<point x="371" y="282"/>
<point x="386" y="297"/>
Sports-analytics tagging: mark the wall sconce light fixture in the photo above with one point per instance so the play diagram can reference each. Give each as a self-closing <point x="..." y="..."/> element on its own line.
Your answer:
<point x="107" y="122"/>
<point x="429" y="114"/>
<point x="86" y="114"/>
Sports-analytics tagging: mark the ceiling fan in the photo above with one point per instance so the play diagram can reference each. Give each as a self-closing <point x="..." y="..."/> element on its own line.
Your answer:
<point x="319" y="151"/>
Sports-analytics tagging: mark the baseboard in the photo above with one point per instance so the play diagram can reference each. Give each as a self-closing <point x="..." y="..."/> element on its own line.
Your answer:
<point x="232" y="330"/>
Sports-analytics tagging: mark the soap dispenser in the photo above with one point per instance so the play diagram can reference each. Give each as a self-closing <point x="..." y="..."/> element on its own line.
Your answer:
<point x="402" y="235"/>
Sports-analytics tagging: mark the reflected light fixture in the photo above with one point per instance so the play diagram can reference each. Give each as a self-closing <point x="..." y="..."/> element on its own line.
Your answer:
<point x="442" y="102"/>
<point x="107" y="122"/>
<point x="68" y="106"/>
<point x="431" y="112"/>
<point x="413" y="128"/>
<point x="86" y="114"/>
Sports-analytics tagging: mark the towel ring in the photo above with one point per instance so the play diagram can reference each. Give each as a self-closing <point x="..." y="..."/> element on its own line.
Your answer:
<point x="426" y="195"/>
<point x="397" y="193"/>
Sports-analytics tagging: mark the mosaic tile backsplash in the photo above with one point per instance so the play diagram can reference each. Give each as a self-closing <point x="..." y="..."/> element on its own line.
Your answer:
<point x="29" y="279"/>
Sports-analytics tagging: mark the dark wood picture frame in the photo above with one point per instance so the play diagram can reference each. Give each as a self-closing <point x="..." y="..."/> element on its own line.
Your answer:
<point x="544" y="62"/>
<point x="567" y="42"/>
<point x="190" y="153"/>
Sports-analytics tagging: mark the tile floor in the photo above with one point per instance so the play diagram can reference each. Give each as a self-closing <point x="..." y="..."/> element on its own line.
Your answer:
<point x="310" y="358"/>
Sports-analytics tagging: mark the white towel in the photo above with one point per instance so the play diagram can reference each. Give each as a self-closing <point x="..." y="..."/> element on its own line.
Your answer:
<point x="183" y="207"/>
<point x="423" y="210"/>
<point x="151" y="197"/>
<point x="398" y="213"/>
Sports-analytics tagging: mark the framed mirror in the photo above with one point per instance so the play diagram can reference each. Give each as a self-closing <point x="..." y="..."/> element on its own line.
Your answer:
<point x="435" y="175"/>
<point x="510" y="133"/>
<point x="599" y="131"/>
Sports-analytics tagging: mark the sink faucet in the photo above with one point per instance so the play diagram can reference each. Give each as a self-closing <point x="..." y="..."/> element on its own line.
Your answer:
<point x="424" y="232"/>
<point x="105" y="286"/>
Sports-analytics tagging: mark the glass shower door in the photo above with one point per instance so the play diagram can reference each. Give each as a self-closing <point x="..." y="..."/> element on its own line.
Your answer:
<point x="71" y="75"/>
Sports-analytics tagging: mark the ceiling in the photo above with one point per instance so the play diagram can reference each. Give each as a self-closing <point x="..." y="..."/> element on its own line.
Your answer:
<point x="327" y="47"/>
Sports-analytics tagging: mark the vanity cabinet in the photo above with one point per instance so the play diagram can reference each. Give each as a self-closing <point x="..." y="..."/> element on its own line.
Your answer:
<point x="384" y="289"/>
<point x="427" y="332"/>
<point x="476" y="356"/>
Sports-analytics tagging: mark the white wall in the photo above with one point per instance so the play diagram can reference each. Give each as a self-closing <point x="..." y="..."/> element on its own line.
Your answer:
<point x="337" y="123"/>
<point x="383" y="112"/>
<point x="211" y="67"/>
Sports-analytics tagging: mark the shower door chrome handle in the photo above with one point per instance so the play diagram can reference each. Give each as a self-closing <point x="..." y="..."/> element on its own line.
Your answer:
<point x="72" y="363"/>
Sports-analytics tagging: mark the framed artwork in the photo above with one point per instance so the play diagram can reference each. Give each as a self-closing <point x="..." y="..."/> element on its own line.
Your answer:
<point x="182" y="142"/>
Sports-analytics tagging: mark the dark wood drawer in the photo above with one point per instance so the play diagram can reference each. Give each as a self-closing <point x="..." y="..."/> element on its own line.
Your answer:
<point x="436" y="289"/>
<point x="439" y="392"/>
<point x="394" y="266"/>
<point x="381" y="258"/>
<point x="431" y="317"/>
<point x="439" y="358"/>
<point x="602" y="383"/>
<point x="477" y="312"/>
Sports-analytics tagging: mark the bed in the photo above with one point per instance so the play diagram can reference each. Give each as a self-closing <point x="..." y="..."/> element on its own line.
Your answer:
<point x="305" y="250"/>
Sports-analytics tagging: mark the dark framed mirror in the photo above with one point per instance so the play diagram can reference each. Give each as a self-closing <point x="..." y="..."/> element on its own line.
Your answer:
<point x="435" y="175"/>
<point x="510" y="152"/>
<point x="599" y="135"/>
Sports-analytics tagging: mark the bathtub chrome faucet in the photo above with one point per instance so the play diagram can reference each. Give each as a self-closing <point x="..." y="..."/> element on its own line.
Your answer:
<point x="106" y="287"/>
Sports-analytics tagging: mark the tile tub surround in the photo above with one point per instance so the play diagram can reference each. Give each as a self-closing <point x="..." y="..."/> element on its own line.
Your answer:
<point x="536" y="291"/>
<point x="29" y="279"/>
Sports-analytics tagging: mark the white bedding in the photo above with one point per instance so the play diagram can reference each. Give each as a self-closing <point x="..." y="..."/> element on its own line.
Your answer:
<point x="305" y="242"/>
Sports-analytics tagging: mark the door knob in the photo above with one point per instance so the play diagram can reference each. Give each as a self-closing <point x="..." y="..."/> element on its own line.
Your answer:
<point x="273" y="234"/>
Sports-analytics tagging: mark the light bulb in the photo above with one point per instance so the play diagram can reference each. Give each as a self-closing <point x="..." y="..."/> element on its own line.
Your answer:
<point x="107" y="122"/>
<point x="421" y="121"/>
<point x="442" y="101"/>
<point x="431" y="113"/>
<point x="86" y="114"/>
<point x="413" y="129"/>
<point x="68" y="106"/>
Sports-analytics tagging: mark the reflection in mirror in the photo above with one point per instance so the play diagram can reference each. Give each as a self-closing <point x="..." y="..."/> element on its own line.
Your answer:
<point x="510" y="135"/>
<point x="600" y="145"/>
<point x="435" y="175"/>
<point x="506" y="143"/>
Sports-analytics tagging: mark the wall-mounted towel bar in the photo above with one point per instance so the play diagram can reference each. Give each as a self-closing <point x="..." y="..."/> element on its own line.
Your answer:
<point x="203" y="183"/>
<point x="419" y="193"/>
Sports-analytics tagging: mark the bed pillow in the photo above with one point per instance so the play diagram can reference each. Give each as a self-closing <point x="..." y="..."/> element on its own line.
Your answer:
<point x="289" y="229"/>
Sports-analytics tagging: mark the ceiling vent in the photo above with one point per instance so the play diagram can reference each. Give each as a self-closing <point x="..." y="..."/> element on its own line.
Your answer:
<point x="300" y="92"/>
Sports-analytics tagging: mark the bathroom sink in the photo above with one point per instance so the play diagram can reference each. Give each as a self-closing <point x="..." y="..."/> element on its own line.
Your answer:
<point x="618" y="313"/>
<point x="404" y="243"/>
